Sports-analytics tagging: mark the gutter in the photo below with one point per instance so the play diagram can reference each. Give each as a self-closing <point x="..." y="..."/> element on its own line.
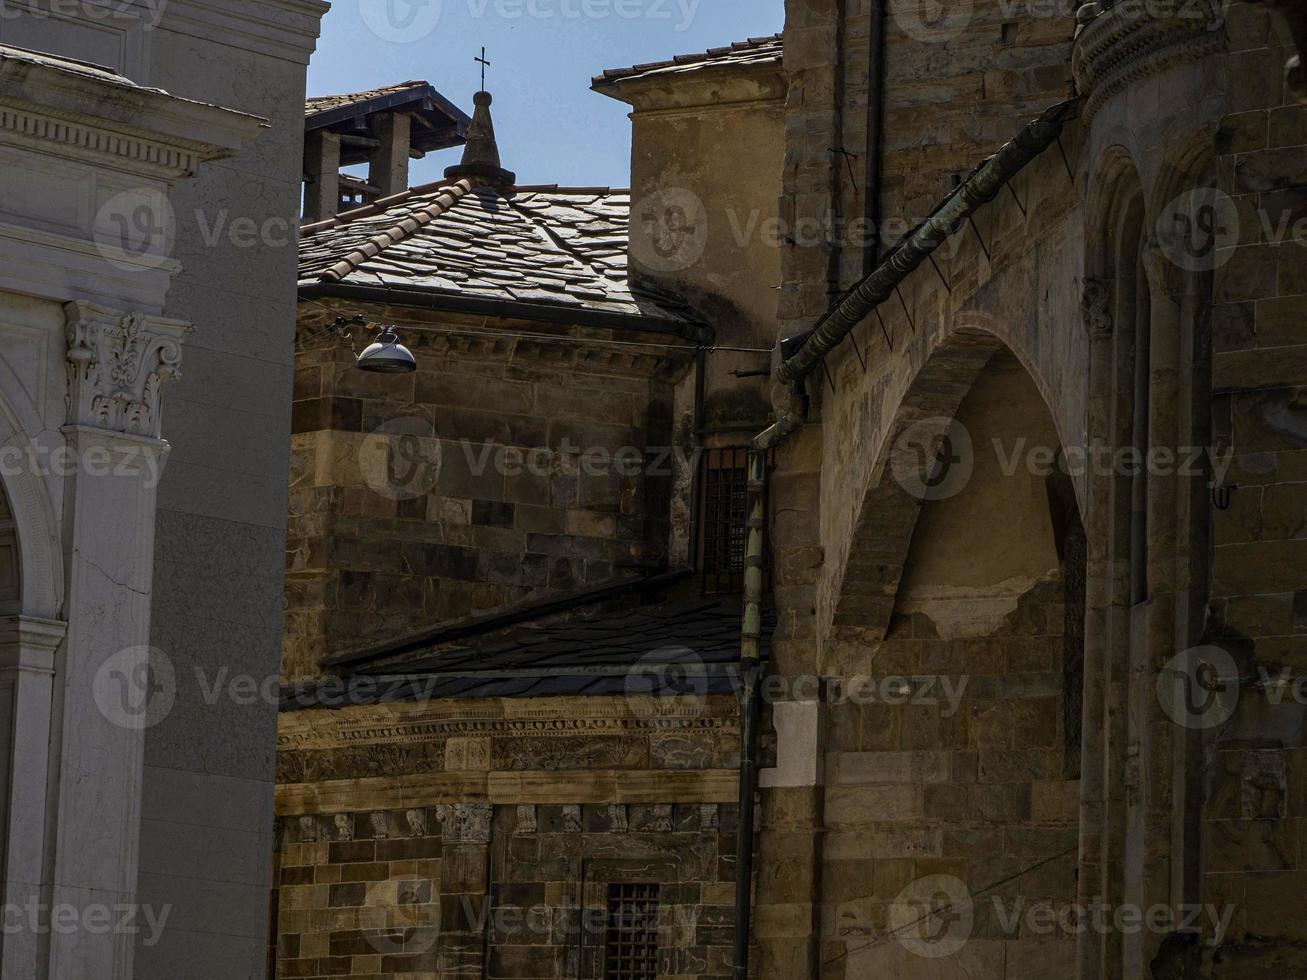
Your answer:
<point x="975" y="192"/>
<point x="510" y="309"/>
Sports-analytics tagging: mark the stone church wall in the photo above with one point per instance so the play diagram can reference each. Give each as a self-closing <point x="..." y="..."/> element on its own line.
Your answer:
<point x="418" y="837"/>
<point x="500" y="470"/>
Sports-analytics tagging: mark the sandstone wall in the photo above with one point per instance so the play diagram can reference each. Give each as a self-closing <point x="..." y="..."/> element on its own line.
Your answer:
<point x="501" y="469"/>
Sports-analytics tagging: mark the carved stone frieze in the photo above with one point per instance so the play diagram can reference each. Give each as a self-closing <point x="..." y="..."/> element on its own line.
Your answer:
<point x="466" y="823"/>
<point x="1125" y="42"/>
<point x="117" y="366"/>
<point x="424" y="723"/>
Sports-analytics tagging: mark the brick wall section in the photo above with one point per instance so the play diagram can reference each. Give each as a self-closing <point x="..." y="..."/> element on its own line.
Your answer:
<point x="981" y="795"/>
<point x="373" y="555"/>
<point x="386" y="908"/>
<point x="358" y="895"/>
<point x="1254" y="813"/>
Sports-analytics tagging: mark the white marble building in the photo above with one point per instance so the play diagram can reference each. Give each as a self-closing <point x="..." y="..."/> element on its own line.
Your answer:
<point x="150" y="165"/>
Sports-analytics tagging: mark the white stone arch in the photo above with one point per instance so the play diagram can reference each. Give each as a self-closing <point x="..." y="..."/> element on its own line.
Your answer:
<point x="40" y="552"/>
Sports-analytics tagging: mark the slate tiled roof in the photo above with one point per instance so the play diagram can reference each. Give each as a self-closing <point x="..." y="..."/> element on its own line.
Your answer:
<point x="547" y="245"/>
<point x="755" y="51"/>
<point x="678" y="648"/>
<point x="322" y="103"/>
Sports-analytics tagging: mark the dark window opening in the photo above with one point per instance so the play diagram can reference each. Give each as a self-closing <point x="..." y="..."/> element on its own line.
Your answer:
<point x="631" y="942"/>
<point x="724" y="515"/>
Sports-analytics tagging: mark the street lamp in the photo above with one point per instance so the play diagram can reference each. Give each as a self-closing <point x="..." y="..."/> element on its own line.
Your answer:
<point x="386" y="355"/>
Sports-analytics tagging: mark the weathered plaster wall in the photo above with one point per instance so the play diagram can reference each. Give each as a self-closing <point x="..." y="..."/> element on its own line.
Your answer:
<point x="714" y="147"/>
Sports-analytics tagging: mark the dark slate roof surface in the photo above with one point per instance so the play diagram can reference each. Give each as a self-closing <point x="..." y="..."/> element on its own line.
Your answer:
<point x="754" y="51"/>
<point x="676" y="648"/>
<point x="551" y="245"/>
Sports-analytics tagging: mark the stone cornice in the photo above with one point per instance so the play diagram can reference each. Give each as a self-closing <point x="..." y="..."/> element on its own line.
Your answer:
<point x="1121" y="45"/>
<point x="286" y="29"/>
<point x="117" y="366"/>
<point x="547" y="717"/>
<point x="99" y="118"/>
<point x="581" y="786"/>
<point x="754" y="85"/>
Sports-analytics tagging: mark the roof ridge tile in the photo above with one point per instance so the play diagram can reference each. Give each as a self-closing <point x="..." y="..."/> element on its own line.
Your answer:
<point x="405" y="228"/>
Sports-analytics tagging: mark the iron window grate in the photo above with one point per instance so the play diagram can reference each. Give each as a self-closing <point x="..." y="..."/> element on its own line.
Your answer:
<point x="631" y="943"/>
<point x="724" y="515"/>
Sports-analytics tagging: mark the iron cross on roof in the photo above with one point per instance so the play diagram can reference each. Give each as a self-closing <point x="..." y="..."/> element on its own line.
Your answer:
<point x="484" y="65"/>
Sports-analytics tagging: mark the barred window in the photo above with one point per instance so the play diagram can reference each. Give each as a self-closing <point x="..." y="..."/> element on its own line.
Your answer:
<point x="723" y="536"/>
<point x="631" y="942"/>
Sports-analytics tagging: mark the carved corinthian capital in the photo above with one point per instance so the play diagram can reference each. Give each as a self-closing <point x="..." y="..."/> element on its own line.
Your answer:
<point x="1096" y="307"/>
<point x="466" y="823"/>
<point x="117" y="364"/>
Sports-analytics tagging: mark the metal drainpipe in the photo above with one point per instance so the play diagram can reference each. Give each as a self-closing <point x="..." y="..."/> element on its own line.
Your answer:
<point x="750" y="674"/>
<point x="875" y="134"/>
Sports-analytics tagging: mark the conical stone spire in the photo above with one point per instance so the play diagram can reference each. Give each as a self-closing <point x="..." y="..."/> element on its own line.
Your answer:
<point x="481" y="154"/>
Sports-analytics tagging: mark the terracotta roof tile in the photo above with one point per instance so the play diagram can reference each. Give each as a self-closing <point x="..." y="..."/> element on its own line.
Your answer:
<point x="324" y="103"/>
<point x="755" y="51"/>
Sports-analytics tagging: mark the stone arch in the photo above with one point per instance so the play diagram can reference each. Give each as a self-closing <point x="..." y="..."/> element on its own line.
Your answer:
<point x="887" y="518"/>
<point x="38" y="556"/>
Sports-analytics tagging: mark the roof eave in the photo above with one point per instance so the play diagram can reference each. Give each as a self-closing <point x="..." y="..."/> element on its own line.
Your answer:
<point x="435" y="299"/>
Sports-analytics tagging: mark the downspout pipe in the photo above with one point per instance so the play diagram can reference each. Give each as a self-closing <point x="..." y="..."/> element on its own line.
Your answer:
<point x="875" y="135"/>
<point x="975" y="192"/>
<point x="751" y="672"/>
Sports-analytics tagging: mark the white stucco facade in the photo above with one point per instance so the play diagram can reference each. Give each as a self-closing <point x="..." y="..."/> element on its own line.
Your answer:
<point x="127" y="341"/>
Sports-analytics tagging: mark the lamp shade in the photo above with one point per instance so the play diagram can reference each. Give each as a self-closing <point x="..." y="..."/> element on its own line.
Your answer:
<point x="387" y="355"/>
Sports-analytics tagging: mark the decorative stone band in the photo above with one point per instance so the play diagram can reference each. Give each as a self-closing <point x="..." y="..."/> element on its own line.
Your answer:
<point x="466" y="823"/>
<point x="88" y="142"/>
<point x="470" y="822"/>
<point x="117" y="366"/>
<point x="1120" y="45"/>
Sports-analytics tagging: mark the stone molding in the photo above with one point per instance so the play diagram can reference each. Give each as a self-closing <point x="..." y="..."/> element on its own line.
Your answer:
<point x="97" y="117"/>
<point x="117" y="366"/>
<point x="386" y="725"/>
<point x="472" y="822"/>
<point x="581" y="786"/>
<point x="87" y="141"/>
<point x="285" y="29"/>
<point x="466" y="823"/>
<point x="1120" y="46"/>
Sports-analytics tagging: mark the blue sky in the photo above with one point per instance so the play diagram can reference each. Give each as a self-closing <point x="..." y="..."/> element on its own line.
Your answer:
<point x="551" y="127"/>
